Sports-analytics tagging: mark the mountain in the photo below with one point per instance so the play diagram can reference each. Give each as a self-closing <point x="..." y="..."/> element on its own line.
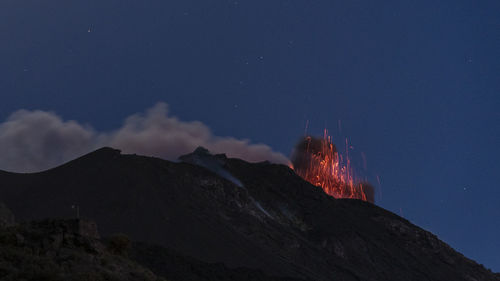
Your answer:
<point x="258" y="216"/>
<point x="71" y="249"/>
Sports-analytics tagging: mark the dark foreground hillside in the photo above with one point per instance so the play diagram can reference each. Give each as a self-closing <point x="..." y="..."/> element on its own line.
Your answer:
<point x="259" y="216"/>
<point x="72" y="250"/>
<point x="56" y="250"/>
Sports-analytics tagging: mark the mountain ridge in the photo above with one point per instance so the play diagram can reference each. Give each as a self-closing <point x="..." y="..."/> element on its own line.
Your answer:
<point x="275" y="221"/>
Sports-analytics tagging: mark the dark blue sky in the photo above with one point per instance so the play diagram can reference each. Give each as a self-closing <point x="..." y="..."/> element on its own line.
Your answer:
<point x="416" y="85"/>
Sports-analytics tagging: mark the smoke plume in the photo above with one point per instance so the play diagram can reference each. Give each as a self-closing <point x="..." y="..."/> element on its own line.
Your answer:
<point x="33" y="141"/>
<point x="305" y="149"/>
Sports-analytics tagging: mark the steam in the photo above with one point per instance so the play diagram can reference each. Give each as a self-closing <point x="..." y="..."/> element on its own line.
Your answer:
<point x="33" y="141"/>
<point x="215" y="163"/>
<point x="36" y="140"/>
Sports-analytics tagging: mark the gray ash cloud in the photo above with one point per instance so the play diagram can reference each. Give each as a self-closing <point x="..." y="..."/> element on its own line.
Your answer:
<point x="36" y="140"/>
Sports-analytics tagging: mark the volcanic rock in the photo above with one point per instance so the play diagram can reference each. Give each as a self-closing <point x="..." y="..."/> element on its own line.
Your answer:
<point x="270" y="220"/>
<point x="58" y="250"/>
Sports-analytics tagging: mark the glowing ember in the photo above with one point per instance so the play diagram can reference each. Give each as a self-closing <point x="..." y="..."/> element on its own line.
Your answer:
<point x="318" y="162"/>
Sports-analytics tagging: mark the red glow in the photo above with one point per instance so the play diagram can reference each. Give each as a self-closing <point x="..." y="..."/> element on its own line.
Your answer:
<point x="331" y="171"/>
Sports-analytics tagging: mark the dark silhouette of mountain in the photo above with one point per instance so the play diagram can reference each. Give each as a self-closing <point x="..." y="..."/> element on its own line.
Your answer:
<point x="62" y="250"/>
<point x="71" y="249"/>
<point x="175" y="266"/>
<point x="259" y="216"/>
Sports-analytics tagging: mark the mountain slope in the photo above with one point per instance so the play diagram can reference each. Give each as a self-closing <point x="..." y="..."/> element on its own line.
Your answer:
<point x="256" y="215"/>
<point x="57" y="250"/>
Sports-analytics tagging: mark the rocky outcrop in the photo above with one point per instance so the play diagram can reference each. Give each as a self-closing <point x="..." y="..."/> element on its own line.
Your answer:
<point x="62" y="250"/>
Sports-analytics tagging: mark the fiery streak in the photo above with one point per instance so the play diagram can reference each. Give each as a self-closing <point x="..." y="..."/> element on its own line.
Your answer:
<point x="328" y="169"/>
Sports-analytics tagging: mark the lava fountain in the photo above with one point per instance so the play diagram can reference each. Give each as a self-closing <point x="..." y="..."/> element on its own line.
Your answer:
<point x="317" y="161"/>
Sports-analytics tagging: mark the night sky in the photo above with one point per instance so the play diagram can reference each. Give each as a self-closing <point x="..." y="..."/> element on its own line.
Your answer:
<point x="413" y="85"/>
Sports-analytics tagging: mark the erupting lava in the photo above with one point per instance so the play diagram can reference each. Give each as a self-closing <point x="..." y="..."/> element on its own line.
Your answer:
<point x="317" y="161"/>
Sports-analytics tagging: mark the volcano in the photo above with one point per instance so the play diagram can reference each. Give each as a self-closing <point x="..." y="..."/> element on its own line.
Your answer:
<point x="258" y="219"/>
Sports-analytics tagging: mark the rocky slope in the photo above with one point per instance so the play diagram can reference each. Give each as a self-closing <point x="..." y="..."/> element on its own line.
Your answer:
<point x="175" y="266"/>
<point x="63" y="250"/>
<point x="71" y="249"/>
<point x="255" y="215"/>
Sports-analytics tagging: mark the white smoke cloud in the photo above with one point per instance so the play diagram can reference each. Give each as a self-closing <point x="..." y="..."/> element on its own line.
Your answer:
<point x="33" y="141"/>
